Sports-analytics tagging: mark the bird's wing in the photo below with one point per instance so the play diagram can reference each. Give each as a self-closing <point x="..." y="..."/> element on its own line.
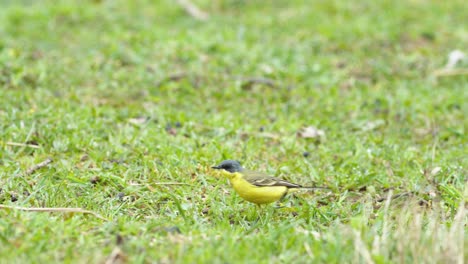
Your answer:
<point x="261" y="179"/>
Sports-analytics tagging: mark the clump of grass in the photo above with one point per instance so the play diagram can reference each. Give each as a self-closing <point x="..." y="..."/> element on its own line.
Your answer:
<point x="411" y="233"/>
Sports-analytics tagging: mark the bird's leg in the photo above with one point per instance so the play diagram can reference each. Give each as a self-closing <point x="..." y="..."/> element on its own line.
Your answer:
<point x="279" y="205"/>
<point x="280" y="201"/>
<point x="270" y="212"/>
<point x="259" y="212"/>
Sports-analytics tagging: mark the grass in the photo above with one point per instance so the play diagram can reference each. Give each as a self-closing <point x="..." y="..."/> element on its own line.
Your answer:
<point x="134" y="101"/>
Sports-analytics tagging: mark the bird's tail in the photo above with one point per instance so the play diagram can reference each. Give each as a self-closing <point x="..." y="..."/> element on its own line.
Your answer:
<point x="307" y="188"/>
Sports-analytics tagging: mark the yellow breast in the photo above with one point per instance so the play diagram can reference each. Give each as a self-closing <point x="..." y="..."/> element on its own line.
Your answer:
<point x="255" y="194"/>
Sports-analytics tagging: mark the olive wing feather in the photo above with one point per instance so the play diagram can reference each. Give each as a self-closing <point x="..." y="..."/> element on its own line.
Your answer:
<point x="261" y="180"/>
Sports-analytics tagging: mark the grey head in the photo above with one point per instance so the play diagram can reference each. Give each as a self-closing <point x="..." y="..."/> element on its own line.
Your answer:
<point x="229" y="165"/>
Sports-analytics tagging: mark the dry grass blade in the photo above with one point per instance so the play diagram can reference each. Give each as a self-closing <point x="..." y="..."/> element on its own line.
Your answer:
<point x="193" y="10"/>
<point x="116" y="257"/>
<point x="361" y="248"/>
<point x="271" y="136"/>
<point x="171" y="183"/>
<point x="53" y="210"/>
<point x="457" y="232"/>
<point x="450" y="72"/>
<point x="22" y="145"/>
<point x="160" y="183"/>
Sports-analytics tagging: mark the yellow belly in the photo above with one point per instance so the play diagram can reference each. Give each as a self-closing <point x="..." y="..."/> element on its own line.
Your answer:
<point x="258" y="195"/>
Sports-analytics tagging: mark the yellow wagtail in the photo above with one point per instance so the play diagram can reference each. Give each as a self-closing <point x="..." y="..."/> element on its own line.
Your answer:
<point x="253" y="186"/>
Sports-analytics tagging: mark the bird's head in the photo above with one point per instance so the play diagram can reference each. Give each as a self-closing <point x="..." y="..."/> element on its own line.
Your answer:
<point x="231" y="166"/>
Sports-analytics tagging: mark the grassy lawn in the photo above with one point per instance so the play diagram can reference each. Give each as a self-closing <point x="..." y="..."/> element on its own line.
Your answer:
<point x="134" y="101"/>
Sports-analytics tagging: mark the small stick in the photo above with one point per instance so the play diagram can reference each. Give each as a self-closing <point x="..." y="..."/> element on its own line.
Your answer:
<point x="394" y="196"/>
<point x="38" y="166"/>
<point x="172" y="78"/>
<point x="53" y="209"/>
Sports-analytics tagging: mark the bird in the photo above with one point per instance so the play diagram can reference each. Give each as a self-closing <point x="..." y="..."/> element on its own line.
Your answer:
<point x="256" y="187"/>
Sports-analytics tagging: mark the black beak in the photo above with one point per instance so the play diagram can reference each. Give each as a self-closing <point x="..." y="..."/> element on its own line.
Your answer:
<point x="216" y="167"/>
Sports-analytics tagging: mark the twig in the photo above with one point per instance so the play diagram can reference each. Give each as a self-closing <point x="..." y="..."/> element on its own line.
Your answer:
<point x="172" y="78"/>
<point x="53" y="210"/>
<point x="394" y="196"/>
<point x="249" y="81"/>
<point x="22" y="145"/>
<point x="193" y="10"/>
<point x="38" y="166"/>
